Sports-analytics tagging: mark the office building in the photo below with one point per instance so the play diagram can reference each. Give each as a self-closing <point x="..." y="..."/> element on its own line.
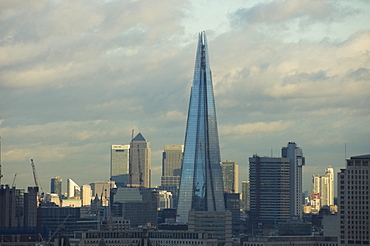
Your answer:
<point x="172" y="160"/>
<point x="102" y="190"/>
<point x="297" y="161"/>
<point x="246" y="204"/>
<point x="230" y="176"/>
<point x="56" y="186"/>
<point x="73" y="190"/>
<point x="119" y="164"/>
<point x="86" y="195"/>
<point x="171" y="170"/>
<point x="140" y="159"/>
<point x="269" y="190"/>
<point x="201" y="185"/>
<point x="139" y="205"/>
<point x="353" y="201"/>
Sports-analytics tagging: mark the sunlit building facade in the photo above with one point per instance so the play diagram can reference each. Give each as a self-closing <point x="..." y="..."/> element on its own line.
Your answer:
<point x="201" y="185"/>
<point x="119" y="164"/>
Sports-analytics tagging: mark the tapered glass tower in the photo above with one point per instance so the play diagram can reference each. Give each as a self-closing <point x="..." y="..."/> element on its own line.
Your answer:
<point x="201" y="185"/>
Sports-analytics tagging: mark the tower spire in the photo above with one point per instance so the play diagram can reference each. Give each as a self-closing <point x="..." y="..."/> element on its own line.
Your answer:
<point x="201" y="185"/>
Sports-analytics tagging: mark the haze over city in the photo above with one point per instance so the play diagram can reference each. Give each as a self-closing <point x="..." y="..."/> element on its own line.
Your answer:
<point x="78" y="76"/>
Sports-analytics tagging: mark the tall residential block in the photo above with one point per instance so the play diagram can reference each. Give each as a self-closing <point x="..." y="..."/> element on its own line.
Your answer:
<point x="269" y="190"/>
<point x="140" y="162"/>
<point x="201" y="185"/>
<point x="56" y="185"/>
<point x="230" y="176"/>
<point x="323" y="189"/>
<point x="353" y="200"/>
<point x="297" y="161"/>
<point x="119" y="164"/>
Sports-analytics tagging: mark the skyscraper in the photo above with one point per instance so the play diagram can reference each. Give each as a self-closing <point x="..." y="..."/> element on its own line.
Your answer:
<point x="201" y="185"/>
<point x="172" y="160"/>
<point x="171" y="170"/>
<point x="353" y="200"/>
<point x="246" y="195"/>
<point x="297" y="161"/>
<point x="119" y="164"/>
<point x="230" y="175"/>
<point x="140" y="157"/>
<point x="56" y="185"/>
<point x="73" y="189"/>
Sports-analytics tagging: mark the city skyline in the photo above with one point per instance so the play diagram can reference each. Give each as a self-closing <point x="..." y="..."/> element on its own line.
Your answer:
<point x="283" y="71"/>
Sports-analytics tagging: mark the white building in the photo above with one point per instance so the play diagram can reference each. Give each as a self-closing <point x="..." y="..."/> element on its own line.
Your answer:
<point x="73" y="190"/>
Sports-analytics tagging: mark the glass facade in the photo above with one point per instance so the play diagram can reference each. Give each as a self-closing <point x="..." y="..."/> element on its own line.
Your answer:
<point x="201" y="185"/>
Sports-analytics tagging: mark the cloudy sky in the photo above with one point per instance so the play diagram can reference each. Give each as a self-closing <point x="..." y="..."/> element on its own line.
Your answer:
<point x="76" y="76"/>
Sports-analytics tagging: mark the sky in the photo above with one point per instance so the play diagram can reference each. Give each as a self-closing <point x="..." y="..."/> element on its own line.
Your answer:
<point x="76" y="76"/>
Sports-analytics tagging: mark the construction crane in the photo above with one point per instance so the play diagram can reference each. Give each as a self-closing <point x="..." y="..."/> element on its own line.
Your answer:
<point x="14" y="180"/>
<point x="130" y="159"/>
<point x="41" y="195"/>
<point x="139" y="166"/>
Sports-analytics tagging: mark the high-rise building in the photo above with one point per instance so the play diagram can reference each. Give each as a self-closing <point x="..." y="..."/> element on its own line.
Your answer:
<point x="56" y="185"/>
<point x="102" y="189"/>
<point x="230" y="176"/>
<point x="171" y="170"/>
<point x="269" y="190"/>
<point x="353" y="200"/>
<point x="73" y="189"/>
<point x="86" y="195"/>
<point x="140" y="161"/>
<point x="201" y="185"/>
<point x="172" y="160"/>
<point x="297" y="161"/>
<point x="323" y="189"/>
<point x="119" y="164"/>
<point x="246" y="195"/>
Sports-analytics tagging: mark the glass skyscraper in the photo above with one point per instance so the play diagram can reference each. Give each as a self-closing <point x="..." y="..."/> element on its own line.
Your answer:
<point x="201" y="185"/>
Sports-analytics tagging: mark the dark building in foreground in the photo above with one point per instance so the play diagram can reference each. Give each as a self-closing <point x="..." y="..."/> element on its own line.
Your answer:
<point x="353" y="201"/>
<point x="201" y="185"/>
<point x="269" y="190"/>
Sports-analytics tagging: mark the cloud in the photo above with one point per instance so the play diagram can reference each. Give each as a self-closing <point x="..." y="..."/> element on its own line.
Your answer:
<point x="174" y="116"/>
<point x="274" y="12"/>
<point x="243" y="130"/>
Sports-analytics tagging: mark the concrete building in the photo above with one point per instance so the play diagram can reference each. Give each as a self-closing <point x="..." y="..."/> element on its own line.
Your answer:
<point x="230" y="176"/>
<point x="18" y="209"/>
<point x="219" y="223"/>
<point x="102" y="189"/>
<point x="291" y="240"/>
<point x="269" y="190"/>
<point x="139" y="205"/>
<point x="140" y="159"/>
<point x="322" y="190"/>
<point x="353" y="201"/>
<point x="145" y="238"/>
<point x="119" y="164"/>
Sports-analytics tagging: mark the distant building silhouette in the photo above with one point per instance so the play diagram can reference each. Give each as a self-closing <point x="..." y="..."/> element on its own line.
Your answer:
<point x="56" y="186"/>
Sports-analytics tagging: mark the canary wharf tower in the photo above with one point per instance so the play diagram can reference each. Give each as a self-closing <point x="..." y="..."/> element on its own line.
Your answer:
<point x="201" y="185"/>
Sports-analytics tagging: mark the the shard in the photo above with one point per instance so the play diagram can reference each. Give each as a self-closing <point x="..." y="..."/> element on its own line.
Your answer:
<point x="201" y="185"/>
